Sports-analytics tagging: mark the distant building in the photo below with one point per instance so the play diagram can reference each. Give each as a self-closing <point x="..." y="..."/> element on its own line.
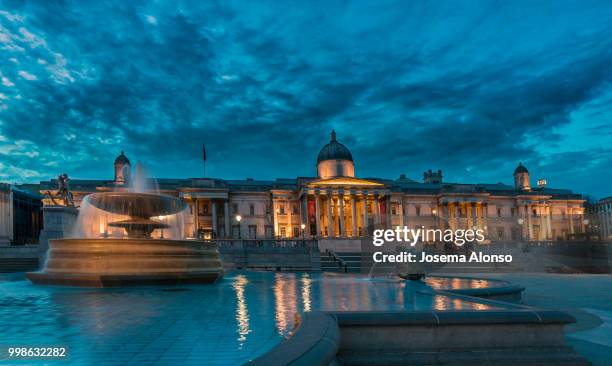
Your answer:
<point x="337" y="205"/>
<point x="20" y="216"/>
<point x="599" y="215"/>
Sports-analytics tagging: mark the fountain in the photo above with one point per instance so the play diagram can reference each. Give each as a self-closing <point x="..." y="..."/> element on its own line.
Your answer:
<point x="134" y="257"/>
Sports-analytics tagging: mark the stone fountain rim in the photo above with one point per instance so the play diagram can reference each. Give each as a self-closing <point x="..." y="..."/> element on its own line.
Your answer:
<point x="155" y="197"/>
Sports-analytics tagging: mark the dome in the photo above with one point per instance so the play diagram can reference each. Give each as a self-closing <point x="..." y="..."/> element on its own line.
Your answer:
<point x="122" y="159"/>
<point x="520" y="169"/>
<point x="334" y="151"/>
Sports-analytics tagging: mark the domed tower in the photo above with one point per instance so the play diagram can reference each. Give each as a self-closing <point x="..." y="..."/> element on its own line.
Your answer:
<point x="122" y="169"/>
<point x="335" y="160"/>
<point x="521" y="178"/>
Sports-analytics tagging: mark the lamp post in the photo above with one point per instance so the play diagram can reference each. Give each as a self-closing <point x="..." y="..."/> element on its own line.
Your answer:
<point x="520" y="221"/>
<point x="303" y="226"/>
<point x="434" y="213"/>
<point x="238" y="219"/>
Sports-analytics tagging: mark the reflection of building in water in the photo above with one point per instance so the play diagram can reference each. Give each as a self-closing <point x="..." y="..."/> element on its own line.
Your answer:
<point x="338" y="205"/>
<point x="242" y="312"/>
<point x="285" y="295"/>
<point x="306" y="287"/>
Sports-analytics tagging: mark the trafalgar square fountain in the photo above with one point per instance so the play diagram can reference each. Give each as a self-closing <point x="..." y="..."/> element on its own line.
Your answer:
<point x="137" y="244"/>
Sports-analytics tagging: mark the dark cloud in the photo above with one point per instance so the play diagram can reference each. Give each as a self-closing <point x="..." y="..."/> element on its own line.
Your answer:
<point x="408" y="86"/>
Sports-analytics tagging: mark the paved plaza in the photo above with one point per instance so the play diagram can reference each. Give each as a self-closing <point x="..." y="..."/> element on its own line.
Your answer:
<point x="587" y="297"/>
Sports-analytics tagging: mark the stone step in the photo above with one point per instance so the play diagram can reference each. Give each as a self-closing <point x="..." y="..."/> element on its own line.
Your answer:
<point x="8" y="265"/>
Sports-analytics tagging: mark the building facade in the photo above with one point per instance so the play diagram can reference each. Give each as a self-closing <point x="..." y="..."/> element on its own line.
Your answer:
<point x="600" y="218"/>
<point x="338" y="205"/>
<point x="20" y="216"/>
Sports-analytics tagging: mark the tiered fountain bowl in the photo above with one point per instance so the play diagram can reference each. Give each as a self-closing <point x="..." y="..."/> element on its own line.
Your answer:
<point x="136" y="259"/>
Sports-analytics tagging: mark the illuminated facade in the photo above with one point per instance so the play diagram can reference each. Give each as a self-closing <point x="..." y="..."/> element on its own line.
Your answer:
<point x="600" y="218"/>
<point x="336" y="205"/>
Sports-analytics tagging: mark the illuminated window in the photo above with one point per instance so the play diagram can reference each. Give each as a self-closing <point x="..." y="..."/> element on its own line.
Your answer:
<point x="296" y="231"/>
<point x="283" y="231"/>
<point x="281" y="209"/>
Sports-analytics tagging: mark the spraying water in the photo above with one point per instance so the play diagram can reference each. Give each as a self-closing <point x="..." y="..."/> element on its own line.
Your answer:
<point x="93" y="222"/>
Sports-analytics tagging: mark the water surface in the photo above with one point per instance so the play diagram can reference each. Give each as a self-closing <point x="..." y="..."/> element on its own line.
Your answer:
<point x="228" y="323"/>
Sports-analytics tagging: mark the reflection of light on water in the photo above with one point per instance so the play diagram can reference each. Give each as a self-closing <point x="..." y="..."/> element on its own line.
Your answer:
<point x="281" y="323"/>
<point x="478" y="306"/>
<point x="457" y="304"/>
<point x="286" y="301"/>
<point x="440" y="302"/>
<point x="306" y="285"/>
<point x="457" y="283"/>
<point x="242" y="313"/>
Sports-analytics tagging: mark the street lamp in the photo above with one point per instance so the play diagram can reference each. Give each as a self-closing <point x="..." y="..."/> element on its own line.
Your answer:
<point x="303" y="226"/>
<point x="238" y="219"/>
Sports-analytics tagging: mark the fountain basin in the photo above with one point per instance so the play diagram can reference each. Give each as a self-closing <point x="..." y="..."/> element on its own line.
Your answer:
<point x="112" y="262"/>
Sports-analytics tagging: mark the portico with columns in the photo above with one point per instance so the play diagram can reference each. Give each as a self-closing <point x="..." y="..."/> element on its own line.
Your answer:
<point x="344" y="207"/>
<point x="209" y="214"/>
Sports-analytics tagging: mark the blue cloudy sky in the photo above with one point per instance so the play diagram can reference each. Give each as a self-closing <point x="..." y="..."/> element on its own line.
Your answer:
<point x="467" y="87"/>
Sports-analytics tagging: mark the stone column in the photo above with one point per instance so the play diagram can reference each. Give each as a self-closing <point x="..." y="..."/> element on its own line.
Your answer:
<point x="354" y="230"/>
<point x="289" y="232"/>
<point x="400" y="208"/>
<point x="548" y="225"/>
<point x="341" y="214"/>
<point x="387" y="212"/>
<point x="529" y="226"/>
<point x="473" y="208"/>
<point x="365" y="214"/>
<point x="485" y="215"/>
<point x="214" y="217"/>
<point x="317" y="214"/>
<point x="376" y="210"/>
<point x="571" y="219"/>
<point x="305" y="220"/>
<point x="445" y="215"/>
<point x="330" y="224"/>
<point x="196" y="218"/>
<point x="456" y="208"/>
<point x="274" y="208"/>
<point x="226" y="218"/>
<point x="542" y="224"/>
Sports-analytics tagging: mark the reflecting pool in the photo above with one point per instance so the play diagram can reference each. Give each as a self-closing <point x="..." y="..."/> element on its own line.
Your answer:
<point x="228" y="323"/>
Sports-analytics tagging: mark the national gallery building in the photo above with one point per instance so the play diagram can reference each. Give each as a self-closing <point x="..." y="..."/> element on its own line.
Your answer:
<point x="337" y="205"/>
